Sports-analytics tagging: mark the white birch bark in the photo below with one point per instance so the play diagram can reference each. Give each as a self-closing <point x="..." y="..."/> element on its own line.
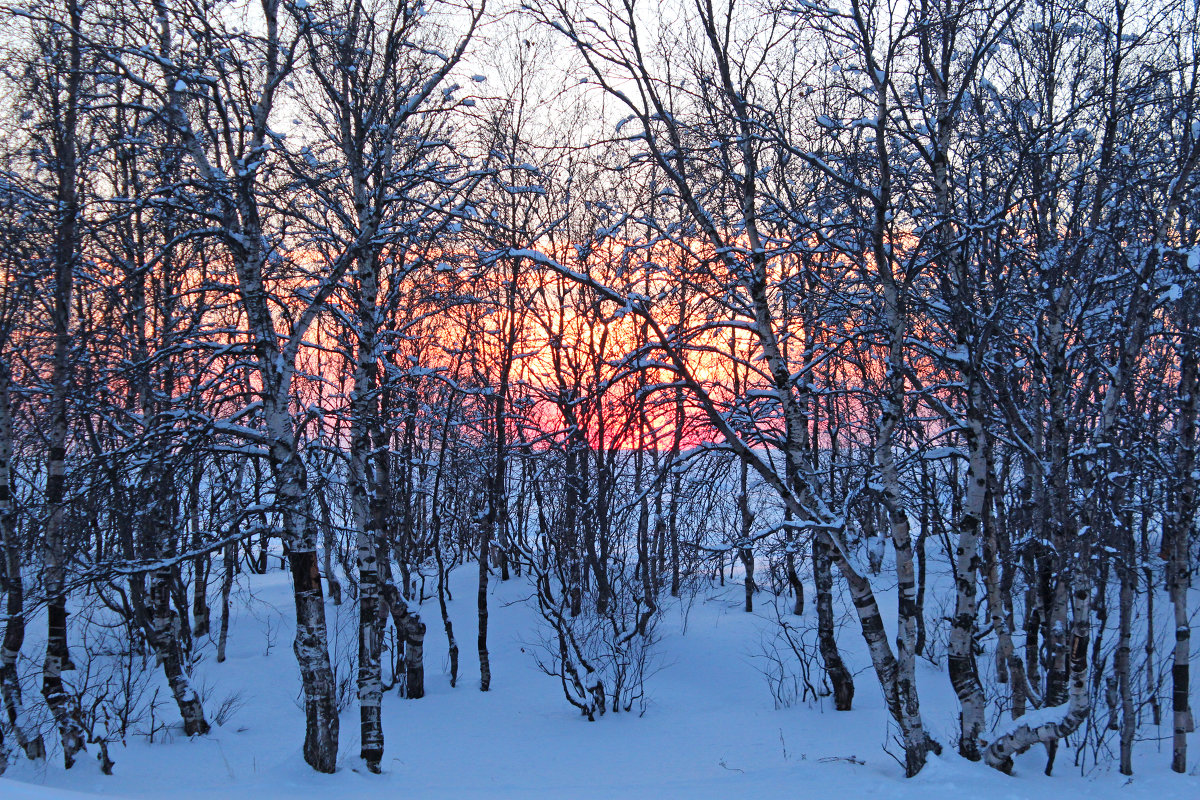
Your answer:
<point x="28" y="737"/>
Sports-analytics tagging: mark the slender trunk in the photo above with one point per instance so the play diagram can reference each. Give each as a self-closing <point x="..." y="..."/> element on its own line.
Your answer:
<point x="746" y="518"/>
<point x="917" y="743"/>
<point x="165" y="639"/>
<point x="1034" y="611"/>
<point x="835" y="668"/>
<point x="161" y="622"/>
<point x="485" y="667"/>
<point x="443" y="588"/>
<point x="673" y="530"/>
<point x="201" y="619"/>
<point x="312" y="654"/>
<point x="1009" y="666"/>
<point x="311" y="641"/>
<point x="1179" y="568"/>
<point x="229" y="567"/>
<point x="793" y="578"/>
<point x="201" y="565"/>
<point x="1056" y="588"/>
<point x="591" y="519"/>
<point x="330" y="544"/>
<point x="960" y="652"/>
<point x="28" y="737"/>
<point x="414" y="658"/>
<point x="1152" y="678"/>
<point x="1100" y="610"/>
<point x="645" y="565"/>
<point x="897" y="696"/>
<point x="1058" y="645"/>
<point x="1128" y="724"/>
<point x="571" y="530"/>
<point x="658" y="542"/>
<point x="66" y="249"/>
<point x="370" y="677"/>
<point x="922" y="572"/>
<point x="364" y="503"/>
<point x="411" y="629"/>
<point x="494" y="525"/>
<point x="451" y="642"/>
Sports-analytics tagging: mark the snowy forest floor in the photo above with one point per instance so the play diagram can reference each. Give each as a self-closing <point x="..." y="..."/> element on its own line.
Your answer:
<point x="710" y="728"/>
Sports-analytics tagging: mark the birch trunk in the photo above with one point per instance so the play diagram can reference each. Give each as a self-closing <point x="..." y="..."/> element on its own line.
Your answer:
<point x="746" y="518"/>
<point x="1179" y="568"/>
<point x="28" y="737"/>
<point x="311" y="641"/>
<point x="411" y="630"/>
<point x="485" y="665"/>
<point x="228" y="568"/>
<point x="233" y="171"/>
<point x="66" y="251"/>
<point x="310" y="644"/>
<point x="887" y="668"/>
<point x="276" y="367"/>
<point x="916" y="741"/>
<point x="435" y="525"/>
<point x="201" y="565"/>
<point x="495" y="522"/>
<point x="1128" y="723"/>
<point x="157" y="537"/>
<point x="1009" y="665"/>
<point x="365" y="500"/>
<point x="835" y="668"/>
<point x="676" y="489"/>
<point x="1053" y="723"/>
<point x="960" y="654"/>
<point x="165" y="640"/>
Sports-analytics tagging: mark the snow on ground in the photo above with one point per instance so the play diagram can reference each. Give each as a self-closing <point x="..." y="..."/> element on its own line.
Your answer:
<point x="711" y="729"/>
